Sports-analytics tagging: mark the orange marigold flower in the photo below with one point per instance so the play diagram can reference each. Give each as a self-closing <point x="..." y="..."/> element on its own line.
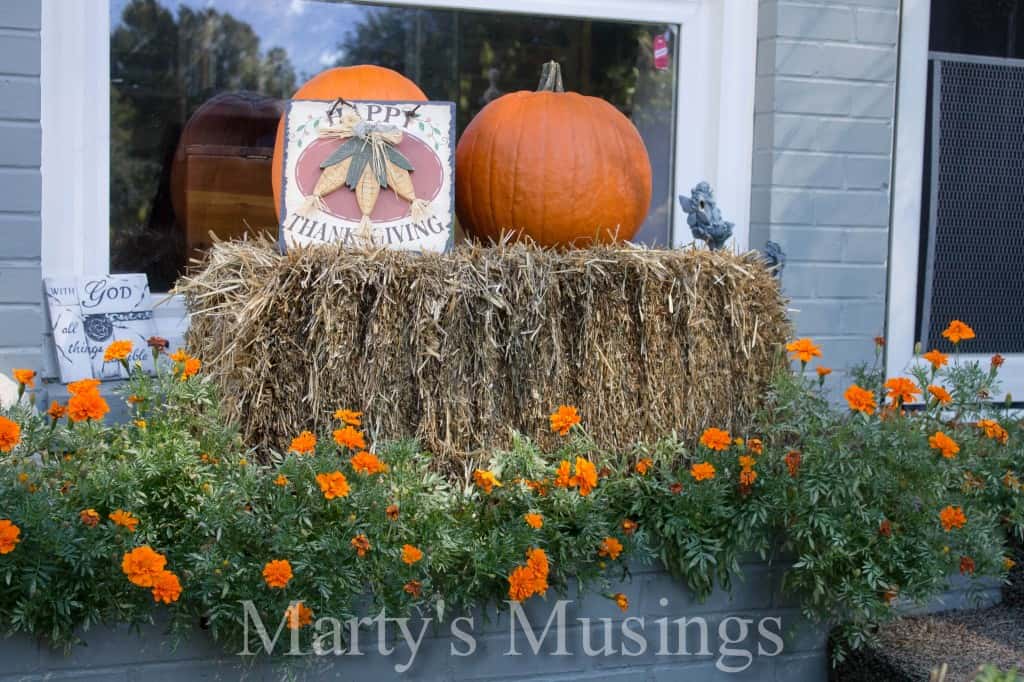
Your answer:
<point x="191" y="368"/>
<point x="885" y="528"/>
<point x="56" y="411"/>
<point x="993" y="430"/>
<point x="860" y="399"/>
<point x="411" y="554"/>
<point x="87" y="405"/>
<point x="526" y="581"/>
<point x="936" y="357"/>
<point x="702" y="471"/>
<point x="486" y="480"/>
<point x="361" y="544"/>
<point x="958" y="331"/>
<point x="747" y="477"/>
<point x="350" y="417"/>
<point x="879" y="341"/>
<point x="998" y="360"/>
<point x="367" y="463"/>
<point x="823" y="371"/>
<point x="25" y="377"/>
<point x="793" y="458"/>
<point x="644" y="465"/>
<point x="298" y="616"/>
<point x="117" y="350"/>
<point x="414" y="588"/>
<point x="533" y="520"/>
<point x="281" y="480"/>
<point x="803" y="350"/>
<point x="755" y="446"/>
<point x="124" y="519"/>
<point x="746" y="461"/>
<point x="89" y="517"/>
<point x="166" y="587"/>
<point x="901" y="390"/>
<point x="277" y="573"/>
<point x="10" y="434"/>
<point x="622" y="601"/>
<point x="391" y="512"/>
<point x="563" y="476"/>
<point x="586" y="476"/>
<point x="966" y="565"/>
<point x="179" y="355"/>
<point x="142" y="565"/>
<point x="303" y="444"/>
<point x="676" y="488"/>
<point x="715" y="439"/>
<point x="563" y="419"/>
<point x="943" y="443"/>
<point x="83" y="386"/>
<point x="348" y="437"/>
<point x="8" y="536"/>
<point x="940" y="394"/>
<point x="333" y="484"/>
<point x="952" y="517"/>
<point x="611" y="548"/>
<point x="629" y="526"/>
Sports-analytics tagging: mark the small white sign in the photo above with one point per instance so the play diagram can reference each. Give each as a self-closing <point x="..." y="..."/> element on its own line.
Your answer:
<point x="88" y="313"/>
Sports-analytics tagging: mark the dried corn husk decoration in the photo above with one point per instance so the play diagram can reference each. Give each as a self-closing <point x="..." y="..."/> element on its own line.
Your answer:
<point x="366" y="163"/>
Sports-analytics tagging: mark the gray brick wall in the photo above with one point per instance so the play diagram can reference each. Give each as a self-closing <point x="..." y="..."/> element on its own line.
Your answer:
<point x="824" y="107"/>
<point x="20" y="186"/>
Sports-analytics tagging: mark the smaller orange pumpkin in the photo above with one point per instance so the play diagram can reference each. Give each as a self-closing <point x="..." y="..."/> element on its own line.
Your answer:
<point x="558" y="167"/>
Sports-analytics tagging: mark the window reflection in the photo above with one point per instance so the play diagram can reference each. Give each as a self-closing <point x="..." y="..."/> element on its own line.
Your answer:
<point x="196" y="89"/>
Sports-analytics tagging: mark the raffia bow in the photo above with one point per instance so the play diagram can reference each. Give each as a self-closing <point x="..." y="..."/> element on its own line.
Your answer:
<point x="366" y="162"/>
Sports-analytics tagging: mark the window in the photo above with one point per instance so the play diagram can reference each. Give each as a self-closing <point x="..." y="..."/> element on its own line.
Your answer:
<point x="958" y="222"/>
<point x="115" y="108"/>
<point x="197" y="88"/>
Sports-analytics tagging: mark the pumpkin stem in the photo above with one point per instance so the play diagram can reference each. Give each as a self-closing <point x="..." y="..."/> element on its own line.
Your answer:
<point x="551" y="78"/>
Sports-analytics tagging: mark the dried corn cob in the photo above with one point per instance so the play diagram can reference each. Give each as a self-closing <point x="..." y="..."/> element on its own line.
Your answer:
<point x="367" y="192"/>
<point x="401" y="183"/>
<point x="331" y="179"/>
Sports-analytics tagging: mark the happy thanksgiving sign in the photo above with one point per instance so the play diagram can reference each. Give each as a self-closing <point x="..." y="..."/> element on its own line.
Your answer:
<point x="368" y="174"/>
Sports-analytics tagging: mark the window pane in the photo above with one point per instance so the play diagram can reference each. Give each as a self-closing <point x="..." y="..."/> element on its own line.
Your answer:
<point x="197" y="89"/>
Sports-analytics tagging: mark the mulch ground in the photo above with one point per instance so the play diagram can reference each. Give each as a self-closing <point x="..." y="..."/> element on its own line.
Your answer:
<point x="908" y="649"/>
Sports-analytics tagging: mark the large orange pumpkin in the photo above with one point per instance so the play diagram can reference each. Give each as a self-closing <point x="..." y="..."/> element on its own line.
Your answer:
<point x="351" y="82"/>
<point x="561" y="168"/>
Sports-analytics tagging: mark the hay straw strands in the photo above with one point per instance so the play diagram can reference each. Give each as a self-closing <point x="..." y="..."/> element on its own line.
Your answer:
<point x="459" y="349"/>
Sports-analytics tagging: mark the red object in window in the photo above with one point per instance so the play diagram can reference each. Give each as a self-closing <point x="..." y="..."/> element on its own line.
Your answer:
<point x="660" y="52"/>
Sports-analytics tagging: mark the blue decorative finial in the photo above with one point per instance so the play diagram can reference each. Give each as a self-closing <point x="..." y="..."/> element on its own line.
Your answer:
<point x="704" y="218"/>
<point x="774" y="258"/>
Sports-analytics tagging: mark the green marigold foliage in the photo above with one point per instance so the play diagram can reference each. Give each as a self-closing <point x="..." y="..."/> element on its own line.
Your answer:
<point x="853" y="502"/>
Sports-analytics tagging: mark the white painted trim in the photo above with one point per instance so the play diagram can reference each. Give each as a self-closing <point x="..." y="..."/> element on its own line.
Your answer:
<point x="75" y="120"/>
<point x="655" y="11"/>
<point x="908" y="167"/>
<point x="715" y="55"/>
<point x="911" y="96"/>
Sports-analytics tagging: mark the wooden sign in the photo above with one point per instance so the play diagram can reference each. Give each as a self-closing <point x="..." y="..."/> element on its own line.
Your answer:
<point x="368" y="174"/>
<point x="88" y="313"/>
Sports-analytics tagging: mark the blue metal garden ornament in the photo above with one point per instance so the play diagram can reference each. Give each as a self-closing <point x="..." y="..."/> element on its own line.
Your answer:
<point x="704" y="218"/>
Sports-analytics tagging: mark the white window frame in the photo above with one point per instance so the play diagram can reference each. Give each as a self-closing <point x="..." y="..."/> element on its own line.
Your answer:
<point x="715" y="56"/>
<point x="908" y="169"/>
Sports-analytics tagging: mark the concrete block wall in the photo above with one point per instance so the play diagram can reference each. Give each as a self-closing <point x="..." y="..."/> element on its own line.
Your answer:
<point x="121" y="655"/>
<point x="20" y="187"/>
<point x="823" y="131"/>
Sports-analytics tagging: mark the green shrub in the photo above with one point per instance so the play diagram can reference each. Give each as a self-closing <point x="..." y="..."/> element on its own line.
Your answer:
<point x="854" y="500"/>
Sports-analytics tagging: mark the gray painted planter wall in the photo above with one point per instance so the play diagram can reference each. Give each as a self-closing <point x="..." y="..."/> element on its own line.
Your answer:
<point x="119" y="655"/>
